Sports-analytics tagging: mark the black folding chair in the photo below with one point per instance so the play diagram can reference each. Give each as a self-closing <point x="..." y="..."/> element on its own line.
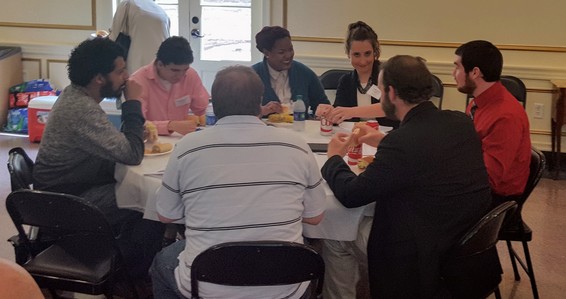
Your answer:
<point x="330" y="78"/>
<point x="257" y="263"/>
<point x="472" y="269"/>
<point x="437" y="90"/>
<point x="85" y="258"/>
<point x="514" y="85"/>
<point x="517" y="230"/>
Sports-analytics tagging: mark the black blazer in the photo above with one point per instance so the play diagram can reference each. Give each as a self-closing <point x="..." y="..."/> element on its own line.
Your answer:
<point x="347" y="95"/>
<point x="430" y="185"/>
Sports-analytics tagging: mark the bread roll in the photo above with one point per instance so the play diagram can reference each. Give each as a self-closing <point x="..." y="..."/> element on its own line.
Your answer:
<point x="365" y="161"/>
<point x="280" y="118"/>
<point x="150" y="132"/>
<point x="161" y="148"/>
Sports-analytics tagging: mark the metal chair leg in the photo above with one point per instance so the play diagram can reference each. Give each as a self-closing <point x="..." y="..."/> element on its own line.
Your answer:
<point x="512" y="255"/>
<point x="497" y="293"/>
<point x="530" y="270"/>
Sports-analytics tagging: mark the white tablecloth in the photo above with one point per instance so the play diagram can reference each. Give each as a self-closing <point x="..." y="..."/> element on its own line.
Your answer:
<point x="137" y="185"/>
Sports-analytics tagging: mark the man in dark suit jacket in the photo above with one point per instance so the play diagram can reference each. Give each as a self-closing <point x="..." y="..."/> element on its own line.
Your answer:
<point x="428" y="180"/>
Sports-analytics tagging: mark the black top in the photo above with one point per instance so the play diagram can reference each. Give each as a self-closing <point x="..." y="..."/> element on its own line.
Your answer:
<point x="347" y="94"/>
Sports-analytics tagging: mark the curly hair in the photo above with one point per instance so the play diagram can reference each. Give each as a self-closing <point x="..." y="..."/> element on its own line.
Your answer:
<point x="266" y="38"/>
<point x="92" y="57"/>
<point x="409" y="76"/>
<point x="360" y="31"/>
<point x="175" y="50"/>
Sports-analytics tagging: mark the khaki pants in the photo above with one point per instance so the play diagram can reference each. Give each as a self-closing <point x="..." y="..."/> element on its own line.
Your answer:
<point x="346" y="264"/>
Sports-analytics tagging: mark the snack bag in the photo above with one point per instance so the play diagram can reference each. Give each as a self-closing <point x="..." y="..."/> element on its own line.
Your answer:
<point x="21" y="94"/>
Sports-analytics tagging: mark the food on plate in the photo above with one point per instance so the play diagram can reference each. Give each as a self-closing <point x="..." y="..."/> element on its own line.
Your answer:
<point x="161" y="148"/>
<point x="199" y="120"/>
<point x="280" y="118"/>
<point x="150" y="132"/>
<point x="365" y="161"/>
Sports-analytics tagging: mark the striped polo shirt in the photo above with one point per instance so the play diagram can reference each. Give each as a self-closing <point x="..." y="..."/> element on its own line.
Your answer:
<point x="240" y="180"/>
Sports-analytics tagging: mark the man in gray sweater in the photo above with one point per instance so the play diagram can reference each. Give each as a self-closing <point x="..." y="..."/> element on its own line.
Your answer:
<point x="80" y="146"/>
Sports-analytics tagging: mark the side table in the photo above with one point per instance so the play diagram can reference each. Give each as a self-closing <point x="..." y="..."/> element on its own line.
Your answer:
<point x="556" y="123"/>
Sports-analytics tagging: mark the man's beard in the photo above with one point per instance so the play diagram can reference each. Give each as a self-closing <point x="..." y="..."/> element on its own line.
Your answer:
<point x="388" y="107"/>
<point x="106" y="91"/>
<point x="469" y="86"/>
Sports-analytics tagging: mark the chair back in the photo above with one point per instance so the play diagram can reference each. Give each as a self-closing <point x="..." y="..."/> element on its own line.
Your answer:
<point x="483" y="235"/>
<point x="471" y="268"/>
<point x="256" y="263"/>
<point x="330" y="78"/>
<point x="514" y="85"/>
<point x="20" y="167"/>
<point x="536" y="168"/>
<point x="55" y="211"/>
<point x="84" y="256"/>
<point x="437" y="90"/>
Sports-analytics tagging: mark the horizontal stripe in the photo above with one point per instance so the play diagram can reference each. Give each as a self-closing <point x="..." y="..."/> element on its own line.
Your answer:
<point x="242" y="145"/>
<point x="247" y="226"/>
<point x="242" y="184"/>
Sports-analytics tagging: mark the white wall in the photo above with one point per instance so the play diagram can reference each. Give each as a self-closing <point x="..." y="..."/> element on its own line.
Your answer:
<point x="528" y="32"/>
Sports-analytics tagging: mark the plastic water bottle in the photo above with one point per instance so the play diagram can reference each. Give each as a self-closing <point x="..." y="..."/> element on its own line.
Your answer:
<point x="299" y="114"/>
<point x="210" y="117"/>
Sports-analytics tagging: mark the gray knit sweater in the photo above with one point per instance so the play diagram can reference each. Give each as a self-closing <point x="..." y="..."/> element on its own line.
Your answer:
<point x="80" y="146"/>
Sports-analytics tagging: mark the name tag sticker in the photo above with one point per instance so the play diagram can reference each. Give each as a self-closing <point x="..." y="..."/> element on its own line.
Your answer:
<point x="182" y="101"/>
<point x="374" y="92"/>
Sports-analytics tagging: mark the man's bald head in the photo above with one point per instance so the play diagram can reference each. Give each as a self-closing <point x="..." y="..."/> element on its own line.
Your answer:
<point x="237" y="90"/>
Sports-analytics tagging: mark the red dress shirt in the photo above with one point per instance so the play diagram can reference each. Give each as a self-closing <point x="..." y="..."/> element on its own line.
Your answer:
<point x="503" y="126"/>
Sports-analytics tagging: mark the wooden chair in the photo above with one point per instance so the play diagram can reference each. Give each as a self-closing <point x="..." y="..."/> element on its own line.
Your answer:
<point x="516" y="229"/>
<point x="257" y="263"/>
<point x="85" y="258"/>
<point x="472" y="268"/>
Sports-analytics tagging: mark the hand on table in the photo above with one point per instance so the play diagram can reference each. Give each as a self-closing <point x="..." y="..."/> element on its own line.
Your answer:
<point x="271" y="107"/>
<point x="323" y="110"/>
<point x="340" y="114"/>
<point x="182" y="127"/>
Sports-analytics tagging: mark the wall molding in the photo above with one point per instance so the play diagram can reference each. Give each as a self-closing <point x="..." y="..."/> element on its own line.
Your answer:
<point x="38" y="60"/>
<point x="50" y="61"/>
<point x="442" y="68"/>
<point x="92" y="25"/>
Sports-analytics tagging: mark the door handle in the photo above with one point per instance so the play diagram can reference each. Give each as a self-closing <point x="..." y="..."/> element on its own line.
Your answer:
<point x="196" y="33"/>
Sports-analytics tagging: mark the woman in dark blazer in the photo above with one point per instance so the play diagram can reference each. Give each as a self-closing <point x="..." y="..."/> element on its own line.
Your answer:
<point x="357" y="96"/>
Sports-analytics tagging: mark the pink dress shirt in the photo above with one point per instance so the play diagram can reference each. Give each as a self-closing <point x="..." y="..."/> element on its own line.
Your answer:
<point x="160" y="105"/>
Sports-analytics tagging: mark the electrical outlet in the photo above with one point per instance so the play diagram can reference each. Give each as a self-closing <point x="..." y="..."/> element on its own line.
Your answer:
<point x="539" y="110"/>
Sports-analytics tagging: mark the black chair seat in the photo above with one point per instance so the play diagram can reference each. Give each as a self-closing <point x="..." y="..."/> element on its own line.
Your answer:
<point x="516" y="233"/>
<point x="81" y="258"/>
<point x="84" y="258"/>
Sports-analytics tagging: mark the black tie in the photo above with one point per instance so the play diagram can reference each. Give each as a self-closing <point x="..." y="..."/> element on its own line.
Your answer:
<point x="473" y="109"/>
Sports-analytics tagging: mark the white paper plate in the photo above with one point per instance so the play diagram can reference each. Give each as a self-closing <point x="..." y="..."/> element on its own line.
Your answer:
<point x="158" y="154"/>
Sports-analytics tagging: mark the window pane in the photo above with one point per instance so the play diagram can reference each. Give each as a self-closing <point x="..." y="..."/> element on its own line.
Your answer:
<point x="241" y="3"/>
<point x="171" y="8"/>
<point x="227" y="33"/>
